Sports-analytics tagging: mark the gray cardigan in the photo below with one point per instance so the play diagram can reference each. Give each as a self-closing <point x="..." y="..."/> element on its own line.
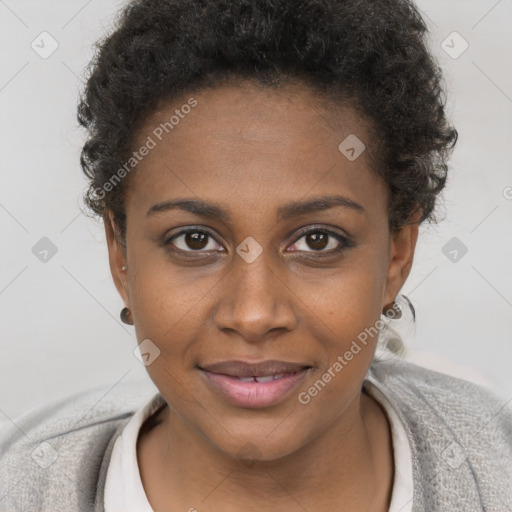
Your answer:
<point x="56" y="458"/>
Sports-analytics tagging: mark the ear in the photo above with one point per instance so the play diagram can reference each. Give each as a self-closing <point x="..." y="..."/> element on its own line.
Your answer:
<point x="401" y="255"/>
<point x="116" y="256"/>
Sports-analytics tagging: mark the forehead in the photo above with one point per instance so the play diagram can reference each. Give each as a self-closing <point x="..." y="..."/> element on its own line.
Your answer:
<point x="253" y="140"/>
<point x="252" y="112"/>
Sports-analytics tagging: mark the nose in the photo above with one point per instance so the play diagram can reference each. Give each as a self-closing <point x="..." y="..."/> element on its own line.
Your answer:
<point x="255" y="301"/>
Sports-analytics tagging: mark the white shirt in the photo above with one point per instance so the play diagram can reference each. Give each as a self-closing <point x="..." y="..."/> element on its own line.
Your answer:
<point x="403" y="485"/>
<point x="124" y="491"/>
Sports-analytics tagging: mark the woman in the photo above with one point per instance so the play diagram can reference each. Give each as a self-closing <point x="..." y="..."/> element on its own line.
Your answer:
<point x="262" y="168"/>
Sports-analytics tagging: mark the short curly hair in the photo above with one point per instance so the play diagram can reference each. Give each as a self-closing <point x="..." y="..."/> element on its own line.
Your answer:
<point x="371" y="52"/>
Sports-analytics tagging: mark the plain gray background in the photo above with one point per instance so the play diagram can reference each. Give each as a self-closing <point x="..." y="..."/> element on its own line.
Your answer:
<point x="60" y="330"/>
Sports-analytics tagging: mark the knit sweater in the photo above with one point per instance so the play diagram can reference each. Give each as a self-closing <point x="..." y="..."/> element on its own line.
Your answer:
<point x="56" y="457"/>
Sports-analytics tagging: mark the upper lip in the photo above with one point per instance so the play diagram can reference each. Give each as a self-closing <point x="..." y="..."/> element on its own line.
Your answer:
<point x="237" y="368"/>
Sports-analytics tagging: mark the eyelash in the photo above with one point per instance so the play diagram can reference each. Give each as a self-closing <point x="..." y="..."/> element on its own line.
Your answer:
<point x="344" y="241"/>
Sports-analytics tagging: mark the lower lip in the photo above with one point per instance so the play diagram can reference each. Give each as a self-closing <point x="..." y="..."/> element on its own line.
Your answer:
<point x="254" y="394"/>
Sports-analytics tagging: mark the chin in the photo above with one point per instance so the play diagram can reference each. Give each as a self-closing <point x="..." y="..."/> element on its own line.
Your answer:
<point x="266" y="443"/>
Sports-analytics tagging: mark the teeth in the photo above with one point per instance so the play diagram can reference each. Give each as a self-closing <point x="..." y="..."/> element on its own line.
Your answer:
<point x="268" y="378"/>
<point x="263" y="378"/>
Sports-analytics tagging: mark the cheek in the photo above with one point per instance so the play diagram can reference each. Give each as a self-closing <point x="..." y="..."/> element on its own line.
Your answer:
<point x="164" y="296"/>
<point x="168" y="313"/>
<point x="352" y="303"/>
<point x="348" y="307"/>
<point x="348" y="299"/>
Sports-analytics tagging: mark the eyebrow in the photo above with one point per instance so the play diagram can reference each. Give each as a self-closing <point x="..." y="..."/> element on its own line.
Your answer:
<point x="285" y="212"/>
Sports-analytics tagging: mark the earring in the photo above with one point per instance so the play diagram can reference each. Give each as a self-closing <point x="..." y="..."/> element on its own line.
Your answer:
<point x="124" y="268"/>
<point x="126" y="316"/>
<point x="393" y="312"/>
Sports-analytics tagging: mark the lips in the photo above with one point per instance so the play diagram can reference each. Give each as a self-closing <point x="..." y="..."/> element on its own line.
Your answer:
<point x="254" y="385"/>
<point x="267" y="370"/>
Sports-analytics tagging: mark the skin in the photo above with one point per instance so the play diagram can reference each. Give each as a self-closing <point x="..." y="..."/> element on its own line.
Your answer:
<point x="251" y="150"/>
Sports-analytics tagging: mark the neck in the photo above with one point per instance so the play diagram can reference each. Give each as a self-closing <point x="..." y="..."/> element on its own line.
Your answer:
<point x="351" y="463"/>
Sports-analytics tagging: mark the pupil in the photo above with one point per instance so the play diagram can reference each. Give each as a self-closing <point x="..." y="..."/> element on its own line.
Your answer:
<point x="196" y="240"/>
<point x="317" y="240"/>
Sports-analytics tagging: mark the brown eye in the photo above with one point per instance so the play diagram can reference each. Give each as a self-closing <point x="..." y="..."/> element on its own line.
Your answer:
<point x="320" y="240"/>
<point x="194" y="240"/>
<point x="317" y="240"/>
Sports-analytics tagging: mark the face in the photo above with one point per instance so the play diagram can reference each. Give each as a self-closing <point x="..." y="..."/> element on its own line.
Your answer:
<point x="251" y="237"/>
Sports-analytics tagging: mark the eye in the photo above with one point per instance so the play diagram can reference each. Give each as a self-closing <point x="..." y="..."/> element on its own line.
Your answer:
<point x="193" y="240"/>
<point x="320" y="240"/>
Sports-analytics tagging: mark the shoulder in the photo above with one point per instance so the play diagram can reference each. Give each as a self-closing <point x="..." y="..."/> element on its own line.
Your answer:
<point x="461" y="401"/>
<point x="51" y="456"/>
<point x="460" y="435"/>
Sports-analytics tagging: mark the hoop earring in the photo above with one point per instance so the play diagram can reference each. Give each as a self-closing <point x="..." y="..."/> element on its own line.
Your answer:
<point x="126" y="316"/>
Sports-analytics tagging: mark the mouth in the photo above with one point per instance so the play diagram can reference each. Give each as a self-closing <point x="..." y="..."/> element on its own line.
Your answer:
<point x="254" y="385"/>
